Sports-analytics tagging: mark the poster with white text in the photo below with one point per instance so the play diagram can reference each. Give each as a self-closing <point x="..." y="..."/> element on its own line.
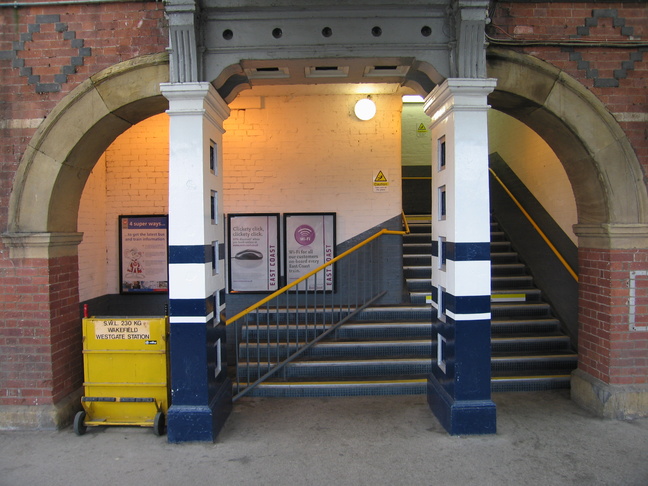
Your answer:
<point x="309" y="243"/>
<point x="253" y="252"/>
<point x="143" y="254"/>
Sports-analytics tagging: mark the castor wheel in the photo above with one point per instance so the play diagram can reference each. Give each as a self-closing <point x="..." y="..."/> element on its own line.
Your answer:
<point x="158" y="424"/>
<point x="79" y="426"/>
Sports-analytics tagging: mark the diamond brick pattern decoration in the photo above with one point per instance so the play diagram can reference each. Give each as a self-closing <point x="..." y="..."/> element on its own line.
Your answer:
<point x="35" y="68"/>
<point x="584" y="64"/>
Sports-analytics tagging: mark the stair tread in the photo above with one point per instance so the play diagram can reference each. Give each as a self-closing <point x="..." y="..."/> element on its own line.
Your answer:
<point x="315" y="381"/>
<point x="349" y="360"/>
<point x="401" y="342"/>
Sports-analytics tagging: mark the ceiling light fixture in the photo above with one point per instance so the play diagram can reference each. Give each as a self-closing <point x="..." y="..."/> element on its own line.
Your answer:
<point x="365" y="109"/>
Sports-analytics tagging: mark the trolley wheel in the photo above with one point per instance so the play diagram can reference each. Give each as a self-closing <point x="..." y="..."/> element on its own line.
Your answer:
<point x="158" y="424"/>
<point x="79" y="426"/>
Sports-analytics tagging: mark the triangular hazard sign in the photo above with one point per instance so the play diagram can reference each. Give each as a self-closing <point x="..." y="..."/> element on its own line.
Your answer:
<point x="380" y="177"/>
<point x="421" y="128"/>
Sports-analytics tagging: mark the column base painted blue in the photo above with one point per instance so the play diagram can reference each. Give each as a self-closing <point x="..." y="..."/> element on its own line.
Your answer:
<point x="461" y="417"/>
<point x="191" y="423"/>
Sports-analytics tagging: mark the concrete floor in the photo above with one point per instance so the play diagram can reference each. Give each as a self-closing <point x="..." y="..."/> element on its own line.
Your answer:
<point x="542" y="439"/>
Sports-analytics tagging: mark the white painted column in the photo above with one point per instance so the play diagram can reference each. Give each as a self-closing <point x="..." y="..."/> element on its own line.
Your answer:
<point x="201" y="392"/>
<point x="459" y="386"/>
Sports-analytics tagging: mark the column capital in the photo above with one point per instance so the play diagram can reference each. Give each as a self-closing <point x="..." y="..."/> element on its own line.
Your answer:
<point x="42" y="245"/>
<point x="196" y="98"/>
<point x="458" y="93"/>
<point x="612" y="236"/>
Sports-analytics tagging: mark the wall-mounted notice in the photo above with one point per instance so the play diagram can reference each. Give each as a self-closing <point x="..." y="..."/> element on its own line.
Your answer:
<point x="143" y="254"/>
<point x="380" y="180"/>
<point x="253" y="252"/>
<point x="309" y="242"/>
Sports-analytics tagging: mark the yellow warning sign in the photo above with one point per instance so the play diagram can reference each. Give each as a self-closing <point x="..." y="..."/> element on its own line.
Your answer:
<point x="380" y="181"/>
<point x="421" y="128"/>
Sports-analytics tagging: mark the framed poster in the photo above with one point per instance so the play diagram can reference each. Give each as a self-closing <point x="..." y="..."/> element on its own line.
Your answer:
<point x="143" y="254"/>
<point x="309" y="241"/>
<point x="253" y="252"/>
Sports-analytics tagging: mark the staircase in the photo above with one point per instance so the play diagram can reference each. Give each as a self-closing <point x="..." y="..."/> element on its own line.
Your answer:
<point x="387" y="350"/>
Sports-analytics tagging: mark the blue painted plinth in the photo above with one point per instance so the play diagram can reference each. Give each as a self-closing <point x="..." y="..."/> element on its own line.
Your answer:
<point x="461" y="417"/>
<point x="189" y="423"/>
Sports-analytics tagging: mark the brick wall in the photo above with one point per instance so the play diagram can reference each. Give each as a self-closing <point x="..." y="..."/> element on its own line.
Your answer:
<point x="130" y="179"/>
<point x="40" y="333"/>
<point x="608" y="348"/>
<point x="618" y="76"/>
<point x="310" y="153"/>
<point x="45" y="52"/>
<point x="276" y="161"/>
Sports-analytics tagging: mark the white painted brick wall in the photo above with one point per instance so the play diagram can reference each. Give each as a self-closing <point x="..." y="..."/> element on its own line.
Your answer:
<point x="310" y="154"/>
<point x="134" y="182"/>
<point x="296" y="154"/>
<point x="92" y="223"/>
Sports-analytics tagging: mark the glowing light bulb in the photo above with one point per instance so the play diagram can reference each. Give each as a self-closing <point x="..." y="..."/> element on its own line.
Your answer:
<point x="365" y="109"/>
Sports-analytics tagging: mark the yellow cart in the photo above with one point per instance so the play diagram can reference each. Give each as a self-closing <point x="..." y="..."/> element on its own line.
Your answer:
<point x="126" y="373"/>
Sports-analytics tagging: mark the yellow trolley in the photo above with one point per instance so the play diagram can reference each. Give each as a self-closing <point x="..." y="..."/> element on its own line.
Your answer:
<point x="126" y="373"/>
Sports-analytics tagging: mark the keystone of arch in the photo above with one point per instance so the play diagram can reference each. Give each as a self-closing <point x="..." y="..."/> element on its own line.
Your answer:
<point x="44" y="203"/>
<point x="604" y="172"/>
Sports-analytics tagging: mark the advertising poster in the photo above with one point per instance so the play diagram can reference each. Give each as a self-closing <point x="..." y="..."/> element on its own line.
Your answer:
<point x="253" y="252"/>
<point x="143" y="254"/>
<point x="309" y="243"/>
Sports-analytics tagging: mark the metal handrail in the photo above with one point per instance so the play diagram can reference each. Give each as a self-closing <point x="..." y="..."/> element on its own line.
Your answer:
<point x="317" y="270"/>
<point x="536" y="227"/>
<point x="259" y="355"/>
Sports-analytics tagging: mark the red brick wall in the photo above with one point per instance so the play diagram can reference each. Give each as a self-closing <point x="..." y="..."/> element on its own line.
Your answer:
<point x="40" y="332"/>
<point x="608" y="349"/>
<point x="42" y="41"/>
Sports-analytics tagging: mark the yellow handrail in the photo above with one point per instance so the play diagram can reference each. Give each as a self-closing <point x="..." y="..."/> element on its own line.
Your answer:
<point x="537" y="228"/>
<point x="317" y="270"/>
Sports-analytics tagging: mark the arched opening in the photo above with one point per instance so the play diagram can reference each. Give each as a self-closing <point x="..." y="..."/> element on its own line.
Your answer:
<point x="605" y="174"/>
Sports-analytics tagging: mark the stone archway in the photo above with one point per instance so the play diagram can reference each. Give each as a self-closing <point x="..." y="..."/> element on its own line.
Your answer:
<point x="64" y="149"/>
<point x="612" y="203"/>
<point x="602" y="167"/>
